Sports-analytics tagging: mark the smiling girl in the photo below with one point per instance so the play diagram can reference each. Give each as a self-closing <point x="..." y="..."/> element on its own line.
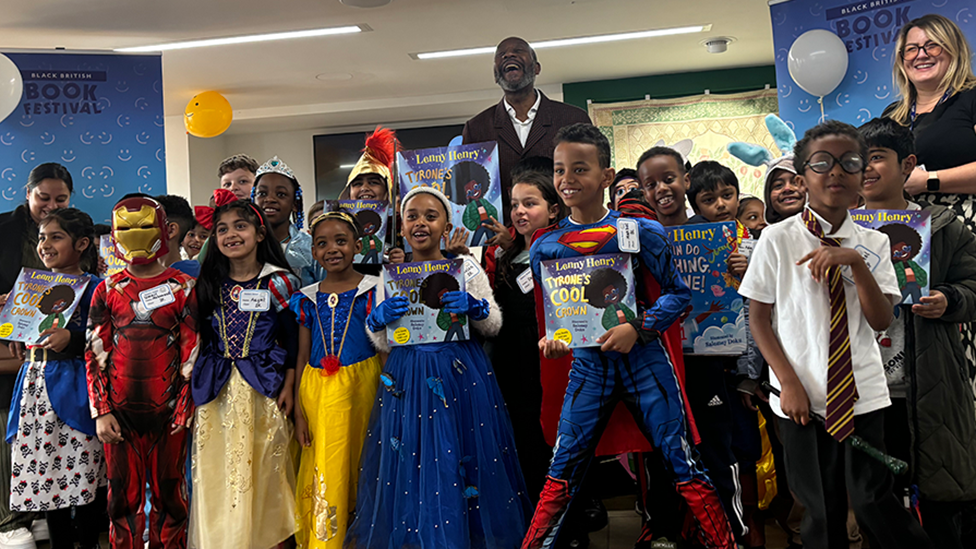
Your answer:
<point x="278" y="195"/>
<point x="243" y="385"/>
<point x="338" y="375"/>
<point x="439" y="467"/>
<point x="51" y="429"/>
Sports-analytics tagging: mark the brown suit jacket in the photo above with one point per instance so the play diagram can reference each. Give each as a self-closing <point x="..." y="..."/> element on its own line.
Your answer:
<point x="494" y="124"/>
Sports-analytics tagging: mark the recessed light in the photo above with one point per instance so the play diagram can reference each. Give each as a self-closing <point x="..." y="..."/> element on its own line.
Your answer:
<point x="717" y="44"/>
<point x="350" y="29"/>
<point x="333" y="76"/>
<point x="596" y="39"/>
<point x="365" y="3"/>
<point x="346" y="166"/>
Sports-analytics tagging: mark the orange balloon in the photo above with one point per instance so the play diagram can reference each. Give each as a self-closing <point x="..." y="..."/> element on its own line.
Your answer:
<point x="208" y="114"/>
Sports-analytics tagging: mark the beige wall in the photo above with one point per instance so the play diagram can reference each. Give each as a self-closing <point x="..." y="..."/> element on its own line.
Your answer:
<point x="192" y="162"/>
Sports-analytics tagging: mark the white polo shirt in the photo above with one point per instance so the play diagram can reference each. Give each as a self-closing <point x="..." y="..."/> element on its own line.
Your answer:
<point x="801" y="307"/>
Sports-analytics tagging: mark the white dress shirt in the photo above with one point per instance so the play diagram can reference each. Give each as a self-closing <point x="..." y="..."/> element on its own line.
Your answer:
<point x="522" y="129"/>
<point x="801" y="307"/>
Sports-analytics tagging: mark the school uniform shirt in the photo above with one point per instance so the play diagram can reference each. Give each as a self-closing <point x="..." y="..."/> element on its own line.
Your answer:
<point x="801" y="307"/>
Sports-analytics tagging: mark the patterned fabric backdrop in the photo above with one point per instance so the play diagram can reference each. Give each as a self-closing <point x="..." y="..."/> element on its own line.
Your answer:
<point x="710" y="121"/>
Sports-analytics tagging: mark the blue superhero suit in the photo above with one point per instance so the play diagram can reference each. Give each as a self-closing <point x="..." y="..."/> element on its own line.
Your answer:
<point x="644" y="380"/>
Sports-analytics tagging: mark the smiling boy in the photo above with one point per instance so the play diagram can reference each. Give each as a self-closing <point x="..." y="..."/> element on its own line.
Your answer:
<point x="631" y="364"/>
<point x="923" y="352"/>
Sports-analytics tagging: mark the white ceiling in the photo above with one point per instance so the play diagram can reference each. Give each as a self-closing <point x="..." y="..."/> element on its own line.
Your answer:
<point x="370" y="76"/>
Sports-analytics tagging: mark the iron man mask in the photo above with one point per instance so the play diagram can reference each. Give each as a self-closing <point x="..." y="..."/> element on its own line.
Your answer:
<point x="139" y="229"/>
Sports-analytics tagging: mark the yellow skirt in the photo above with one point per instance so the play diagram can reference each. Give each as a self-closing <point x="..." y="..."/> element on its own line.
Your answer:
<point x="243" y="472"/>
<point x="337" y="409"/>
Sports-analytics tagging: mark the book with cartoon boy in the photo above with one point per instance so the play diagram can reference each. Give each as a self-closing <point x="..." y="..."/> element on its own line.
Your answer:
<point x="371" y="215"/>
<point x="713" y="324"/>
<point x="40" y="300"/>
<point x="423" y="284"/>
<point x="585" y="296"/>
<point x="910" y="234"/>
<point x="467" y="175"/>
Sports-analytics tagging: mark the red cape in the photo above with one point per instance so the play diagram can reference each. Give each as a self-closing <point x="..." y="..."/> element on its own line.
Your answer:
<point x="622" y="434"/>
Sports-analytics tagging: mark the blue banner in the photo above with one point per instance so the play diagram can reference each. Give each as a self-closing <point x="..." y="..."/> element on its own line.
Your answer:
<point x="99" y="115"/>
<point x="869" y="29"/>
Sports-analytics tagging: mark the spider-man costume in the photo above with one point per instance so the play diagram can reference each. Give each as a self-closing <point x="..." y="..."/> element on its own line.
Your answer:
<point x="644" y="380"/>
<point x="139" y="362"/>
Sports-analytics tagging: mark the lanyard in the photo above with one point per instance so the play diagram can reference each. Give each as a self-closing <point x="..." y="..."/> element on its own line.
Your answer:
<point x="912" y="115"/>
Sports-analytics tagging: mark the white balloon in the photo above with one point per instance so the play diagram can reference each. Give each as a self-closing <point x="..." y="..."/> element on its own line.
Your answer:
<point x="11" y="86"/>
<point x="818" y="62"/>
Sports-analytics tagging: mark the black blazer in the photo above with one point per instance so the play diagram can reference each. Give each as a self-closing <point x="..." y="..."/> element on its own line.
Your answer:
<point x="494" y="124"/>
<point x="12" y="226"/>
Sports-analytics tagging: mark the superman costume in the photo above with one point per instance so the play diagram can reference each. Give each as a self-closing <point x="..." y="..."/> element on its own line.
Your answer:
<point x="643" y="380"/>
<point x="139" y="362"/>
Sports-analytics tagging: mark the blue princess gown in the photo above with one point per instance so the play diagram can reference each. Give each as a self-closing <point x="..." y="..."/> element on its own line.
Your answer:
<point x="439" y="468"/>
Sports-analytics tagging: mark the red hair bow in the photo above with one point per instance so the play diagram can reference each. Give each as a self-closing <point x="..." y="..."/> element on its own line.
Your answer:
<point x="204" y="214"/>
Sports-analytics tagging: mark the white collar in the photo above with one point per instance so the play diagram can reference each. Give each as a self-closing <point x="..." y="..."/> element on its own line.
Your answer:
<point x="268" y="269"/>
<point x="846" y="229"/>
<point x="366" y="284"/>
<point x="574" y="222"/>
<point x="531" y="114"/>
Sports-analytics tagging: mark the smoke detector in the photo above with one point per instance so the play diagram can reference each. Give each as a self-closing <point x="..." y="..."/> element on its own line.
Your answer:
<point x="717" y="44"/>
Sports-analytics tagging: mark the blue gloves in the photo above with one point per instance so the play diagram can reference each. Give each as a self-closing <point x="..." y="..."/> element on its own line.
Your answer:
<point x="463" y="303"/>
<point x="389" y="311"/>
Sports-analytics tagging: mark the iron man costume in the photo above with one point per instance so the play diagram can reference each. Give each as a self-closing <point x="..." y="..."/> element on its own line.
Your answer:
<point x="141" y="349"/>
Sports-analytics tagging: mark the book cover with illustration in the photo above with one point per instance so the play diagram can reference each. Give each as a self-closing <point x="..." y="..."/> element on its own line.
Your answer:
<point x="910" y="233"/>
<point x="106" y="250"/>
<point x="423" y="284"/>
<point x="372" y="216"/>
<point x="40" y="300"/>
<point x="586" y="296"/>
<point x="714" y="323"/>
<point x="467" y="175"/>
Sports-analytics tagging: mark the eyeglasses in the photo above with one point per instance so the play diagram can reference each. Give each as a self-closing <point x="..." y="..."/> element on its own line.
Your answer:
<point x="822" y="162"/>
<point x="911" y="52"/>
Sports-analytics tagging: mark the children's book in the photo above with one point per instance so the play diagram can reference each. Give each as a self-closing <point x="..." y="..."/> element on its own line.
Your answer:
<point x="372" y="218"/>
<point x="106" y="250"/>
<point x="467" y="174"/>
<point x="586" y="296"/>
<point x="714" y="323"/>
<point x="910" y="233"/>
<point x="424" y="284"/>
<point x="40" y="300"/>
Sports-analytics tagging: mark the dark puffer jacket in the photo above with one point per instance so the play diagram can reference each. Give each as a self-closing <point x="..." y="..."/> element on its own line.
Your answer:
<point x="941" y="414"/>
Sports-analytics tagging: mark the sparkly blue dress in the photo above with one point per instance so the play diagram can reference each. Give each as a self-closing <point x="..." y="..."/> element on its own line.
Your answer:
<point x="439" y="468"/>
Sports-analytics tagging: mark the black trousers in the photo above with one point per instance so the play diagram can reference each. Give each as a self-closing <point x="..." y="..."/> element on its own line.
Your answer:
<point x="708" y="394"/>
<point x="822" y="472"/>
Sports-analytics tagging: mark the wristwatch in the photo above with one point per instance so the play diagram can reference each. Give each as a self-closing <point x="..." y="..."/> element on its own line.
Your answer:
<point x="933" y="182"/>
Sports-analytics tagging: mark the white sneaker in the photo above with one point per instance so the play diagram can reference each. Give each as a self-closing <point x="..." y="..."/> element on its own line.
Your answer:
<point x="20" y="538"/>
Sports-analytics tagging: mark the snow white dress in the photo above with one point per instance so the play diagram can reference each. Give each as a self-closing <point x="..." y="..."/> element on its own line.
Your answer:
<point x="439" y="468"/>
<point x="336" y="401"/>
<point x="243" y="471"/>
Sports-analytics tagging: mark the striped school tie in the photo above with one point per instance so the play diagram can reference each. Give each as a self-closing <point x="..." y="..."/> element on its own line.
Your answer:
<point x="841" y="389"/>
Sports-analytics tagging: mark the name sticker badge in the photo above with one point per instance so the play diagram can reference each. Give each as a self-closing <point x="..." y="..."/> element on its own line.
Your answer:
<point x="525" y="281"/>
<point x="747" y="246"/>
<point x="470" y="269"/>
<point x="254" y="300"/>
<point x="871" y="259"/>
<point x="628" y="240"/>
<point x="157" y="297"/>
